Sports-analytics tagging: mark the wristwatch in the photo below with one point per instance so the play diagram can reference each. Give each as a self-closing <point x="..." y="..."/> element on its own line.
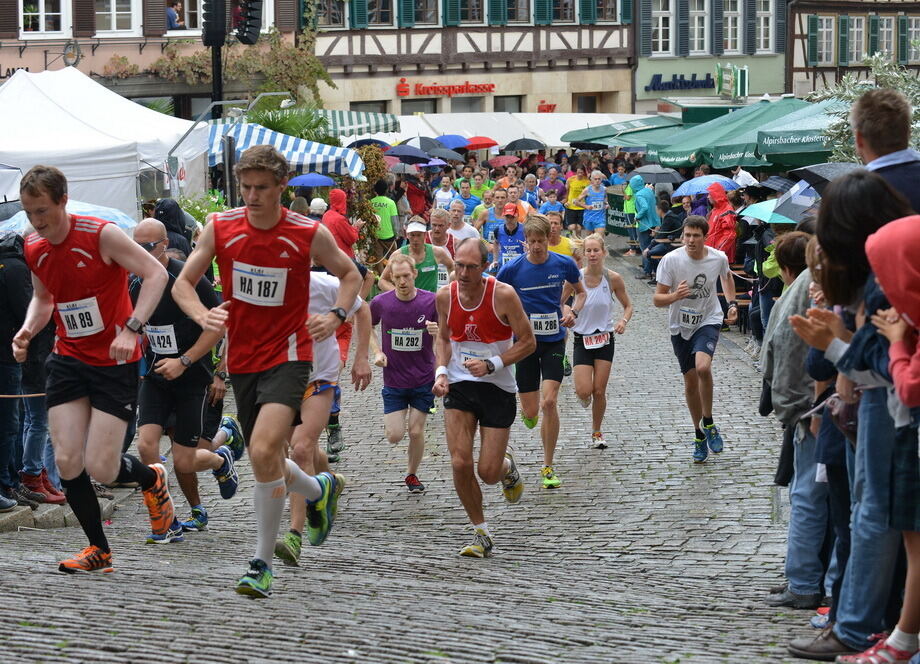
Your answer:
<point x="490" y="368"/>
<point x="574" y="313"/>
<point x="185" y="360"/>
<point x="134" y="325"/>
<point x="221" y="374"/>
<point x="340" y="312"/>
<point x="733" y="303"/>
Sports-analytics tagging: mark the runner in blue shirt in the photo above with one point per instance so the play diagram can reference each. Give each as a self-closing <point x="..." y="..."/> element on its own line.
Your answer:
<point x="508" y="238"/>
<point x="552" y="204"/>
<point x="469" y="201"/>
<point x="594" y="200"/>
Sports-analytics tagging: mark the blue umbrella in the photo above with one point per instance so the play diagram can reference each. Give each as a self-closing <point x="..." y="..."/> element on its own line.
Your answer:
<point x="453" y="141"/>
<point x="361" y="142"/>
<point x="765" y="211"/>
<point x="311" y="180"/>
<point x="701" y="184"/>
<point x="19" y="222"/>
<point x="408" y="154"/>
<point x="435" y="162"/>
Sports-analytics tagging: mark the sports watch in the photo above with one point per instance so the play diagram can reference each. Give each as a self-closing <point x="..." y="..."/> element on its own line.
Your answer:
<point x="221" y="374"/>
<point x="185" y="360"/>
<point x="134" y="325"/>
<point x="490" y="367"/>
<point x="340" y="312"/>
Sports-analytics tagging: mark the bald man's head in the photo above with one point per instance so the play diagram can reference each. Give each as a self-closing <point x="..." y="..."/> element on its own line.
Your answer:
<point x="149" y="230"/>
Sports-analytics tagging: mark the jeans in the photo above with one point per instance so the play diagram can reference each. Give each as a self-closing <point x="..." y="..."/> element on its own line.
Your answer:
<point x="807" y="519"/>
<point x="874" y="547"/>
<point x="631" y="229"/>
<point x="766" y="305"/>
<point x="10" y="383"/>
<point x="35" y="435"/>
<point x="838" y="488"/>
<point x="645" y="239"/>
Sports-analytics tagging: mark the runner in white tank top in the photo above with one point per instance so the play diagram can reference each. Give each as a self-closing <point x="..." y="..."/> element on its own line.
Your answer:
<point x="594" y="333"/>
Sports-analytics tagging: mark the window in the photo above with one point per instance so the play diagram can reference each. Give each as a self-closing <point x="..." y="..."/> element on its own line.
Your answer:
<point x="412" y="106"/>
<point x="471" y="11"/>
<point x="699" y="13"/>
<point x="518" y="11"/>
<point x="426" y="12"/>
<point x="913" y="39"/>
<point x="466" y="105"/>
<point x="507" y="103"/>
<point x="368" y="106"/>
<point x="856" y="38"/>
<point x="379" y="12"/>
<point x="764" y="28"/>
<point x="585" y="103"/>
<point x="825" y="40"/>
<point x="607" y="10"/>
<point x="563" y="11"/>
<point x="191" y="14"/>
<point x="661" y="27"/>
<point x="886" y="34"/>
<point x="330" y="13"/>
<point x="731" y="22"/>
<point x="42" y="16"/>
<point x="113" y="15"/>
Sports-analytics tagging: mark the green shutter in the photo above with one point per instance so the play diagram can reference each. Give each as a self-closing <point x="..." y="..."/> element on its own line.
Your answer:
<point x="498" y="12"/>
<point x="587" y="12"/>
<point x="645" y="28"/>
<point x="779" y="26"/>
<point x="903" y="40"/>
<point x="749" y="26"/>
<point x="626" y="11"/>
<point x="812" y="59"/>
<point x="542" y="12"/>
<point x="451" y="12"/>
<point x="873" y="35"/>
<point x="843" y="40"/>
<point x="683" y="28"/>
<point x="406" y="9"/>
<point x="358" y="13"/>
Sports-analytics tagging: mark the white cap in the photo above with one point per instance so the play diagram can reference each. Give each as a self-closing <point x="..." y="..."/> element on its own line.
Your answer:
<point x="318" y="204"/>
<point x="416" y="227"/>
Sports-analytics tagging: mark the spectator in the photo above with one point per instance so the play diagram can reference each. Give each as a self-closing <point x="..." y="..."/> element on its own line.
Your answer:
<point x="742" y="177"/>
<point x="174" y="18"/>
<point x="318" y="207"/>
<point x="386" y="211"/>
<point x="335" y="220"/>
<point x="168" y="211"/>
<point x="723" y="222"/>
<point x="300" y="205"/>
<point x="646" y="215"/>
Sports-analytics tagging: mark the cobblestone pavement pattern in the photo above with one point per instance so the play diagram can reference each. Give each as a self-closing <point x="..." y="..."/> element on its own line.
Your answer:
<point x="641" y="556"/>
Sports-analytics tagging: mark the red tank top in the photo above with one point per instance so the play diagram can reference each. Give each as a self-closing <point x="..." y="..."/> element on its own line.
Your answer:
<point x="480" y="324"/>
<point x="449" y="246"/>
<point x="266" y="278"/>
<point x="91" y="302"/>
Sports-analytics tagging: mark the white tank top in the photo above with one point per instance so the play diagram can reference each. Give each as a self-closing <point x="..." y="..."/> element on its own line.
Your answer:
<point x="597" y="314"/>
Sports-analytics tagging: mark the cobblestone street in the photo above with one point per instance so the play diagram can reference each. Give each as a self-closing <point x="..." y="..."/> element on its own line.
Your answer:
<point x="641" y="556"/>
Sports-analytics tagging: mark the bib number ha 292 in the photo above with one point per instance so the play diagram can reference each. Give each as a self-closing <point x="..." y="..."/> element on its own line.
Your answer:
<point x="261" y="286"/>
<point x="406" y="339"/>
<point x="81" y="318"/>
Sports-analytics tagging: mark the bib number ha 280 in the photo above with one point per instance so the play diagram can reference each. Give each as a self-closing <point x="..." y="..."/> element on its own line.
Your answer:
<point x="261" y="286"/>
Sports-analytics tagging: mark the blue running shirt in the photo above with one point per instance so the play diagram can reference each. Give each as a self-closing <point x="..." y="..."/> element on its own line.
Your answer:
<point x="540" y="290"/>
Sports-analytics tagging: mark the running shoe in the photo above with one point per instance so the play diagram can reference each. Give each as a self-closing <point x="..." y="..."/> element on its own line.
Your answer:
<point x="880" y="653"/>
<point x="159" y="503"/>
<point x="334" y="442"/>
<point x="414" y="485"/>
<point x="235" y="439"/>
<point x="480" y="547"/>
<point x="257" y="582"/>
<point x="585" y="403"/>
<point x="550" y="479"/>
<point x="321" y="512"/>
<point x="713" y="438"/>
<point x="227" y="478"/>
<point x="512" y="485"/>
<point x="288" y="548"/>
<point x="197" y="522"/>
<point x="90" y="559"/>
<point x="529" y="422"/>
<point x="566" y="366"/>
<point x="102" y="491"/>
<point x="597" y="441"/>
<point x="700" y="452"/>
<point x="172" y="534"/>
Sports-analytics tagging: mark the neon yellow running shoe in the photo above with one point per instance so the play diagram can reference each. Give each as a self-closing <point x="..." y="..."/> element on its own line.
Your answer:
<point x="512" y="486"/>
<point x="550" y="479"/>
<point x="480" y="547"/>
<point x="530" y="422"/>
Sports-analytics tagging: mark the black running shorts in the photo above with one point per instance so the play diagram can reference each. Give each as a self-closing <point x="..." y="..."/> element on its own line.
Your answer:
<point x="545" y="362"/>
<point x="582" y="355"/>
<point x="493" y="407"/>
<point x="111" y="389"/>
<point x="182" y="405"/>
<point x="284" y="383"/>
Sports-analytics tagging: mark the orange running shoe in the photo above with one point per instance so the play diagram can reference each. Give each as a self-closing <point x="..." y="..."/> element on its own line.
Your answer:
<point x="159" y="504"/>
<point x="90" y="559"/>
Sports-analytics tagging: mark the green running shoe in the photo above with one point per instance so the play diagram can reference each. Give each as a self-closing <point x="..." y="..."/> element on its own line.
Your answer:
<point x="257" y="582"/>
<point x="566" y="366"/>
<point x="235" y="439"/>
<point x="321" y="512"/>
<point x="288" y="548"/>
<point x="529" y="422"/>
<point x="197" y="522"/>
<point x="550" y="479"/>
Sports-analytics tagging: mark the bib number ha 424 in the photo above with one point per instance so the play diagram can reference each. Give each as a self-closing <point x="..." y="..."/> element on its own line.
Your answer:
<point x="261" y="286"/>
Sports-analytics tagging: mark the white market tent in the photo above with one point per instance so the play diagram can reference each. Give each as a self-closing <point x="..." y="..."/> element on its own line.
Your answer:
<point x="9" y="183"/>
<point x="551" y="126"/>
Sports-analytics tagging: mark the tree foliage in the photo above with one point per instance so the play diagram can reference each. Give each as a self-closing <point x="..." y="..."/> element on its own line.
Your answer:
<point x="359" y="206"/>
<point x="301" y="122"/>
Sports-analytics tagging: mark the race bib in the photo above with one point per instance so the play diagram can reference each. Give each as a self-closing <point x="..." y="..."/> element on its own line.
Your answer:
<point x="509" y="255"/>
<point x="162" y="339"/>
<point x="468" y="219"/>
<point x="406" y="339"/>
<point x="599" y="205"/>
<point x="443" y="276"/>
<point x="427" y="268"/>
<point x="81" y="317"/>
<point x="261" y="286"/>
<point x="544" y="323"/>
<point x="596" y="341"/>
<point x="690" y="318"/>
<point x="467" y="353"/>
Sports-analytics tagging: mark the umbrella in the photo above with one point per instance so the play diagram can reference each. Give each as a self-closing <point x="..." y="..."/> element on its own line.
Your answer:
<point x="480" y="143"/>
<point x="403" y="168"/>
<point x="700" y="184"/>
<point x="765" y="211"/>
<point x="19" y="222"/>
<point x="434" y="162"/>
<point x="580" y="145"/>
<point x="799" y="202"/>
<point x="501" y="160"/>
<point x="423" y="143"/>
<point x="391" y="161"/>
<point x="311" y="180"/>
<point x="361" y="142"/>
<point x="444" y="153"/>
<point x="524" y="144"/>
<point x="776" y="183"/>
<point x="408" y="154"/>
<point x="453" y="141"/>
<point x="655" y="174"/>
<point x="819" y="175"/>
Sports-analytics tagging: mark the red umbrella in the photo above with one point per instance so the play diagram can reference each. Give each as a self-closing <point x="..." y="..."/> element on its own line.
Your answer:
<point x="480" y="143"/>
<point x="502" y="160"/>
<point x="391" y="161"/>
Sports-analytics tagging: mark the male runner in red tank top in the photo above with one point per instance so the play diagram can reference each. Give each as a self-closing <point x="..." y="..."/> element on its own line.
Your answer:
<point x="482" y="331"/>
<point x="264" y="253"/>
<point x="80" y="271"/>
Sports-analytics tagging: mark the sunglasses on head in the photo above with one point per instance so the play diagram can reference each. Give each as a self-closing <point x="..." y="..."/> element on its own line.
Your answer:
<point x="150" y="246"/>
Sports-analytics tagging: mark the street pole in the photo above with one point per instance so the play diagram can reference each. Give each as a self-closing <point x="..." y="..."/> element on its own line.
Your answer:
<point x="217" y="81"/>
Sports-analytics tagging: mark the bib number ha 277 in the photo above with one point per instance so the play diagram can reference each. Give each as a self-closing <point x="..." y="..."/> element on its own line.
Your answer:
<point x="81" y="318"/>
<point x="261" y="286"/>
<point x="690" y="318"/>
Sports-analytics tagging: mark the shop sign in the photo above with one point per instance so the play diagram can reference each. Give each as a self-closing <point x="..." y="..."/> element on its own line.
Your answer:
<point x="403" y="89"/>
<point x="732" y="81"/>
<point x="543" y="107"/>
<point x="9" y="71"/>
<point x="681" y="82"/>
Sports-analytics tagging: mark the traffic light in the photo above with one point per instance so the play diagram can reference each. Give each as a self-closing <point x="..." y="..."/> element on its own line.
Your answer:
<point x="214" y="22"/>
<point x="251" y="24"/>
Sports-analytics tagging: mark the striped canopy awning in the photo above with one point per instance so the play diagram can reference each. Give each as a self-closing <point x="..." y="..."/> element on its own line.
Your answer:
<point x="351" y="123"/>
<point x="303" y="156"/>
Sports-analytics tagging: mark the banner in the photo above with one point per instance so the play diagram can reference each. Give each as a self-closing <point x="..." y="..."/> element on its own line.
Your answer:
<point x="617" y="223"/>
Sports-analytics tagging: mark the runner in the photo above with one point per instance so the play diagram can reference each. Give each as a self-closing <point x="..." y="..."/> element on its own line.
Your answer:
<point x="538" y="278"/>
<point x="438" y="235"/>
<point x="80" y="269"/>
<point x="514" y="198"/>
<point x="558" y="243"/>
<point x="508" y="239"/>
<point x="574" y="212"/>
<point x="594" y="332"/>
<point x="174" y="391"/>
<point x="469" y="201"/>
<point x="491" y="218"/>
<point x="687" y="286"/>
<point x="479" y="209"/>
<point x="478" y="320"/>
<point x="430" y="261"/>
<point x="264" y="252"/>
<point x="458" y="228"/>
<point x="407" y="358"/>
<point x="594" y="200"/>
<point x="444" y="194"/>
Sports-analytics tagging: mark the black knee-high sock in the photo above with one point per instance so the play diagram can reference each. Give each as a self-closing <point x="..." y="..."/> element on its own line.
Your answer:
<point x="82" y="500"/>
<point x="132" y="470"/>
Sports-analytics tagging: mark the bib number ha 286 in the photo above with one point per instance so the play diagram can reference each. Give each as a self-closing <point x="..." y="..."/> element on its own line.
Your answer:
<point x="81" y="318"/>
<point x="544" y="323"/>
<point x="261" y="286"/>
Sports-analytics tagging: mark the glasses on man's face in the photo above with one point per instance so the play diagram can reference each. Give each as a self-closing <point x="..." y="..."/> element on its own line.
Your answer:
<point x="467" y="266"/>
<point x="150" y="246"/>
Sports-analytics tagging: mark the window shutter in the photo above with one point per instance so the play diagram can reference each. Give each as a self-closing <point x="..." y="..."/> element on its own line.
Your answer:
<point x="626" y="11"/>
<point x="9" y="19"/>
<point x="779" y="26"/>
<point x="812" y="57"/>
<point x="587" y="12"/>
<point x="683" y="27"/>
<point x="903" y="40"/>
<point x="715" y="20"/>
<point x="451" y="12"/>
<point x="84" y="18"/>
<point x="154" y="18"/>
<point x="357" y="12"/>
<point x="286" y="15"/>
<point x="873" y="35"/>
<point x="645" y="28"/>
<point x="542" y="12"/>
<point x="406" y="18"/>
<point x="498" y="12"/>
<point x="749" y="21"/>
<point x="843" y="40"/>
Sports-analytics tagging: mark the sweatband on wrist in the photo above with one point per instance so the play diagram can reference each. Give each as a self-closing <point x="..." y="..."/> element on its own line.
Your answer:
<point x="440" y="371"/>
<point x="496" y="360"/>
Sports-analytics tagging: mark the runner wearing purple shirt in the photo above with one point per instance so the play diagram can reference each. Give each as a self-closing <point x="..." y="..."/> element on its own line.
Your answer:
<point x="408" y="320"/>
<point x="553" y="183"/>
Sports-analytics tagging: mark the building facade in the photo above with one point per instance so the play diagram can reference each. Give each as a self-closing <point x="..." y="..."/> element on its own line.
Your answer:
<point x="831" y="39"/>
<point x="412" y="56"/>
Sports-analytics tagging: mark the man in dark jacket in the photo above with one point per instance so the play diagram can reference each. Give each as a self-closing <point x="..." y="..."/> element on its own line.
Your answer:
<point x="168" y="211"/>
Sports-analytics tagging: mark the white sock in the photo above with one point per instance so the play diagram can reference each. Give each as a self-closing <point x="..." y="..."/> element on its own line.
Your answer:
<point x="903" y="640"/>
<point x="300" y="482"/>
<point x="484" y="527"/>
<point x="268" y="500"/>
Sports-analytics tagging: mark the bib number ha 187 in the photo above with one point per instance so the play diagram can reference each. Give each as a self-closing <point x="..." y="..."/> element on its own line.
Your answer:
<point x="544" y="323"/>
<point x="81" y="318"/>
<point x="261" y="286"/>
